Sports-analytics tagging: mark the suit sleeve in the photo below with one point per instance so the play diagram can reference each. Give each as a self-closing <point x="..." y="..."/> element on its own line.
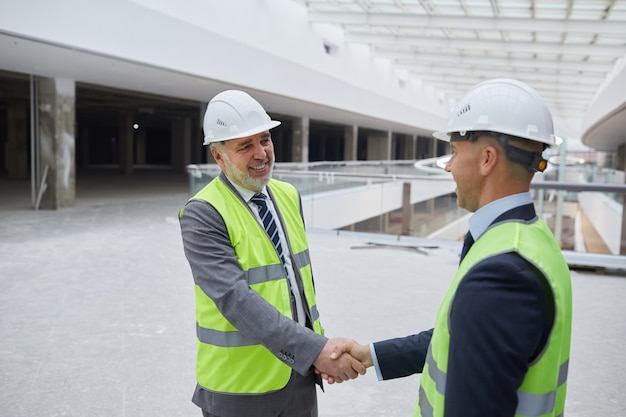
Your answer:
<point x="217" y="272"/>
<point x="402" y="356"/>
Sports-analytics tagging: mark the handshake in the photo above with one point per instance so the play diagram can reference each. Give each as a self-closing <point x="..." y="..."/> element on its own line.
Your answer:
<point x="342" y="359"/>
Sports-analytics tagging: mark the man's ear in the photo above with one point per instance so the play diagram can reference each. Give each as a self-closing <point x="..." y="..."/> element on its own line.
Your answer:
<point x="217" y="156"/>
<point x="489" y="159"/>
<point x="215" y="153"/>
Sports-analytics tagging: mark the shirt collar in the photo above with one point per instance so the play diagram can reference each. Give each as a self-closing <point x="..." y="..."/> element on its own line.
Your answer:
<point x="484" y="216"/>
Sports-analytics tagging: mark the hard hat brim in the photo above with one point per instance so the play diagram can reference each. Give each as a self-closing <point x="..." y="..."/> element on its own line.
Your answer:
<point x="445" y="136"/>
<point x="238" y="135"/>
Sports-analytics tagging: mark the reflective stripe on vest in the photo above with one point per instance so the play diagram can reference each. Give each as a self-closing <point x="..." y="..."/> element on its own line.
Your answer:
<point x="543" y="389"/>
<point x="228" y="361"/>
<point x="528" y="404"/>
<point x="269" y="272"/>
<point x="233" y="338"/>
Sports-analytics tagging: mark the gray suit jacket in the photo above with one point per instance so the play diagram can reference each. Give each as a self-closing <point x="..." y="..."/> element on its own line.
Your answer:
<point x="217" y="272"/>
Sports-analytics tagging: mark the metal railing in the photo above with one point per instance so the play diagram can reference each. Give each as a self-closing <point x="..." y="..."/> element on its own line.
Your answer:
<point x="577" y="212"/>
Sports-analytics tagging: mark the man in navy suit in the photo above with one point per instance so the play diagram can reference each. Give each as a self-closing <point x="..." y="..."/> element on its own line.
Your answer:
<point x="500" y="345"/>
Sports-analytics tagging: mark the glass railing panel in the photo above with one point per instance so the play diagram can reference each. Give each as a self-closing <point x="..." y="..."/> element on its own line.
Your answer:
<point x="311" y="183"/>
<point x="584" y="216"/>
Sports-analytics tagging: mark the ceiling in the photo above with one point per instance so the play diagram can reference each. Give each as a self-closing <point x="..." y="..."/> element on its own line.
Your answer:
<point x="564" y="49"/>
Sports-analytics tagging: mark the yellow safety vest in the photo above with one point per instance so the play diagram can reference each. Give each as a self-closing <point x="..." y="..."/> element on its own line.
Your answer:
<point x="542" y="392"/>
<point x="228" y="361"/>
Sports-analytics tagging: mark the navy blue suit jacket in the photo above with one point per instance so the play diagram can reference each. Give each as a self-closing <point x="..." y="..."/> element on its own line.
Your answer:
<point x="500" y="320"/>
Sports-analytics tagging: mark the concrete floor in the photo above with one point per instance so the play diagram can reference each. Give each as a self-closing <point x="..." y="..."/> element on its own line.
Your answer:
<point x="96" y="310"/>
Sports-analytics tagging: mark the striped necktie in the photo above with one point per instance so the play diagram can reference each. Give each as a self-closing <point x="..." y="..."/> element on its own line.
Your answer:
<point x="269" y="223"/>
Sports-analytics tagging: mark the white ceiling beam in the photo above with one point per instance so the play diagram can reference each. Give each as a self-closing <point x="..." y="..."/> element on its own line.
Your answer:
<point x="488" y="45"/>
<point x="406" y="59"/>
<point x="590" y="81"/>
<point x="466" y="81"/>
<point x="583" y="26"/>
<point x="458" y="85"/>
<point x="563" y="95"/>
<point x="573" y="105"/>
<point x="456" y="80"/>
<point x="445" y="85"/>
<point x="544" y="91"/>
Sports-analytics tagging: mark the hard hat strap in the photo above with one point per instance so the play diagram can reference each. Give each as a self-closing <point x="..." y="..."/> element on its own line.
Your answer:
<point x="531" y="160"/>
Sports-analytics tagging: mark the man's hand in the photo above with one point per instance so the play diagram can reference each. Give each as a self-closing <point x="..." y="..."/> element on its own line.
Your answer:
<point x="346" y="346"/>
<point x="334" y="364"/>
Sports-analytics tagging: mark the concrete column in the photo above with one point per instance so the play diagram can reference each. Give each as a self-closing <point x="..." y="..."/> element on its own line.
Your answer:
<point x="413" y="147"/>
<point x="407" y="209"/>
<point x="57" y="115"/>
<point x="300" y="148"/>
<point x="378" y="146"/>
<point x="393" y="148"/>
<point x="16" y="148"/>
<point x="351" y="135"/>
<point x="126" y="148"/>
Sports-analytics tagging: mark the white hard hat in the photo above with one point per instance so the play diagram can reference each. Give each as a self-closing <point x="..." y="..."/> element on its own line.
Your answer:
<point x="234" y="114"/>
<point x="505" y="106"/>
